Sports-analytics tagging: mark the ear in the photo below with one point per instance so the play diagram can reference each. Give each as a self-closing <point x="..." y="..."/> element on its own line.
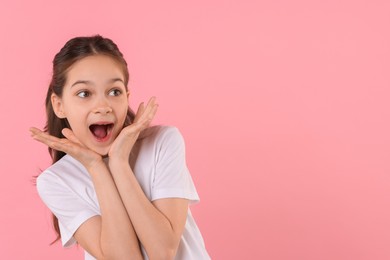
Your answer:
<point x="57" y="105"/>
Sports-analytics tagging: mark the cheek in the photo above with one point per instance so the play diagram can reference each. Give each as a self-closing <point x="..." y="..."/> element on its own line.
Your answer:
<point x="123" y="116"/>
<point x="123" y="111"/>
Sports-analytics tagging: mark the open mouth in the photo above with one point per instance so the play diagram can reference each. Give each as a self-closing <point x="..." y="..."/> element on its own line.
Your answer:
<point x="101" y="131"/>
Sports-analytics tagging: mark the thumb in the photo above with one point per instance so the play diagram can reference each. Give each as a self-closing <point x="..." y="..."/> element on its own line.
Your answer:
<point x="68" y="133"/>
<point x="139" y="113"/>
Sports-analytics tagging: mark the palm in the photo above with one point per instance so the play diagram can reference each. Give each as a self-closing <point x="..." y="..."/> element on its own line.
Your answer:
<point x="70" y="145"/>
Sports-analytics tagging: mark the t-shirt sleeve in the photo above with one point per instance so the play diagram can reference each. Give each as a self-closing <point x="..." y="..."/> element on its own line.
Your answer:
<point x="70" y="209"/>
<point x="172" y="178"/>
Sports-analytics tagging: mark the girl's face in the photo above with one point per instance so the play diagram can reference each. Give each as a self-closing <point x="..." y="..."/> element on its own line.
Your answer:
<point x="94" y="101"/>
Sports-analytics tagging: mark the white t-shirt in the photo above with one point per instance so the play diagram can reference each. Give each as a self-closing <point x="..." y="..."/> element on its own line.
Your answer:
<point x="158" y="162"/>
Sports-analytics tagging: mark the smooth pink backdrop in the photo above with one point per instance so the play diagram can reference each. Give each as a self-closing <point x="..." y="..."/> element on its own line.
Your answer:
<point x="284" y="106"/>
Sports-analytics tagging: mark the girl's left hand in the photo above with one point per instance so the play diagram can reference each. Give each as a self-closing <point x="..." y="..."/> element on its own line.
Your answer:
<point x="121" y="147"/>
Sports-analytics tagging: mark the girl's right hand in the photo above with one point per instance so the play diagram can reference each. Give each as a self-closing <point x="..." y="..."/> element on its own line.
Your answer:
<point x="70" y="145"/>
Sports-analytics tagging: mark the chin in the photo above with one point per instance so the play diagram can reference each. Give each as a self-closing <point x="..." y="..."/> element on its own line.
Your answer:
<point x="102" y="151"/>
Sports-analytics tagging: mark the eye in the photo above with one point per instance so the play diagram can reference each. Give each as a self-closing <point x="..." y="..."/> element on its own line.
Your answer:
<point x="115" y="92"/>
<point x="83" y="94"/>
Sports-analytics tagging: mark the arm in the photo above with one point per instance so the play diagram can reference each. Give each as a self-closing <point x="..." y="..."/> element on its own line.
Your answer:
<point x="111" y="235"/>
<point x="159" y="224"/>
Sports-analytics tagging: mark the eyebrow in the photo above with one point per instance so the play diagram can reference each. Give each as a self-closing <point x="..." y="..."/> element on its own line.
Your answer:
<point x="88" y="82"/>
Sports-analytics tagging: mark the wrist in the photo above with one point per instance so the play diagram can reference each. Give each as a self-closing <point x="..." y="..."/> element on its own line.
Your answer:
<point x="95" y="164"/>
<point x="116" y="163"/>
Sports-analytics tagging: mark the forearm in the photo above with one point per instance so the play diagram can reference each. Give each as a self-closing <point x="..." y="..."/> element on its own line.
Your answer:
<point x="152" y="228"/>
<point x="117" y="236"/>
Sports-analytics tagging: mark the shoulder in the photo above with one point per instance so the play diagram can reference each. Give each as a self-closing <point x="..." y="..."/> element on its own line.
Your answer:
<point x="158" y="143"/>
<point x="59" y="174"/>
<point x="159" y="131"/>
<point x="56" y="170"/>
<point x="161" y="134"/>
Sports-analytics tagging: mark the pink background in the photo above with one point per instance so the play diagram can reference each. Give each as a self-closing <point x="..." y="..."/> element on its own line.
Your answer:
<point x="284" y="106"/>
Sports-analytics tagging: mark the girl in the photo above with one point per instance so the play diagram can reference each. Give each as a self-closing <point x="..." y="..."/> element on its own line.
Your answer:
<point x="117" y="187"/>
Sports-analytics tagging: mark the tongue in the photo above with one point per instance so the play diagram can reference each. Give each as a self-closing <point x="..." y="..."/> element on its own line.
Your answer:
<point x="100" y="131"/>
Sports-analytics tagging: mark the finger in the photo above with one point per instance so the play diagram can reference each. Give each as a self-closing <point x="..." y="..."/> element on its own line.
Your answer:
<point x="60" y="144"/>
<point x="140" y="111"/>
<point x="148" y="112"/>
<point x="34" y="131"/>
<point x="51" y="141"/>
<point x="42" y="136"/>
<point x="151" y="103"/>
<point x="146" y="120"/>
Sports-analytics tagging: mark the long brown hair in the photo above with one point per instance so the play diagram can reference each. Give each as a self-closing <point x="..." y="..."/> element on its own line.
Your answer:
<point x="73" y="51"/>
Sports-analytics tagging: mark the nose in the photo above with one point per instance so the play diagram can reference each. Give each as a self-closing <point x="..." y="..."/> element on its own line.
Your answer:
<point x="102" y="106"/>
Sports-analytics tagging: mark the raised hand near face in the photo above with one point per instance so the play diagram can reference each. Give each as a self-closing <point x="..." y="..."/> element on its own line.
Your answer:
<point x="70" y="145"/>
<point x="121" y="147"/>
